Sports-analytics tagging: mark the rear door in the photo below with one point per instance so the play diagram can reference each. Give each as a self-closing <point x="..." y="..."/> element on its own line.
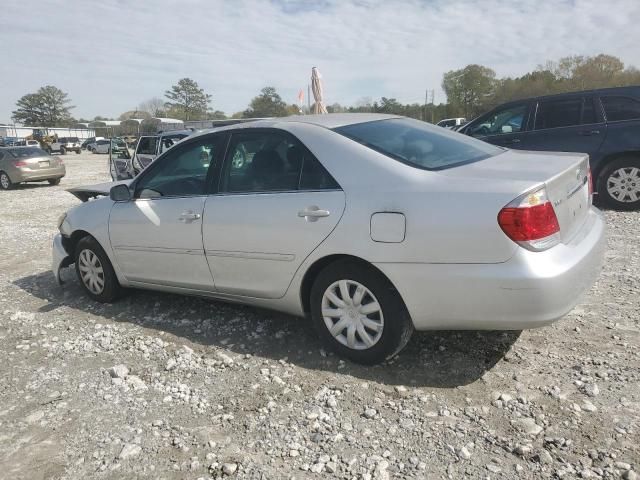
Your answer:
<point x="567" y="124"/>
<point x="505" y="126"/>
<point x="276" y="203"/>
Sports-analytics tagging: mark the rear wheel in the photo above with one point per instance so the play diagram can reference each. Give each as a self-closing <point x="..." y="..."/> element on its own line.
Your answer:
<point x="54" y="181"/>
<point x="78" y="151"/>
<point x="63" y="150"/>
<point x="358" y="313"/>
<point x="619" y="184"/>
<point x="95" y="271"/>
<point x="5" y="181"/>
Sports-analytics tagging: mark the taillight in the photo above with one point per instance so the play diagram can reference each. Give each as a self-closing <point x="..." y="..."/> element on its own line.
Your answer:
<point x="531" y="221"/>
<point x="590" y="182"/>
<point x="20" y="163"/>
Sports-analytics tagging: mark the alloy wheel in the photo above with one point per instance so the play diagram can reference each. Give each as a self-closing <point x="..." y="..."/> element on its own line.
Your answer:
<point x="4" y="181"/>
<point x="91" y="271"/>
<point x="352" y="314"/>
<point x="623" y="184"/>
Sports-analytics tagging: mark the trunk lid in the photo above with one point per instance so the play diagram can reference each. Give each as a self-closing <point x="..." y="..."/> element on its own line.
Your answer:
<point x="42" y="162"/>
<point x="563" y="174"/>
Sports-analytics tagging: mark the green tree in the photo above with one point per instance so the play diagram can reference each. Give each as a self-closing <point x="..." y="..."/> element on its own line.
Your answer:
<point x="49" y="107"/>
<point x="469" y="88"/>
<point x="188" y="100"/>
<point x="267" y="104"/>
<point x="217" y="115"/>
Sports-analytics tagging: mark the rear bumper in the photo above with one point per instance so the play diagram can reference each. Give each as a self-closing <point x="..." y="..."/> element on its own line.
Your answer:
<point x="59" y="257"/>
<point x="23" y="175"/>
<point x="529" y="290"/>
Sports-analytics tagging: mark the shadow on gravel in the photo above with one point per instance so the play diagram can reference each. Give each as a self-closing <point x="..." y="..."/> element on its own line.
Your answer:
<point x="441" y="359"/>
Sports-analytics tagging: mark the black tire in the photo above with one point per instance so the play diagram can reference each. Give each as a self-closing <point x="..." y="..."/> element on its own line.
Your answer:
<point x="63" y="151"/>
<point x="78" y="151"/>
<point x="54" y="181"/>
<point x="608" y="174"/>
<point x="111" y="287"/>
<point x="397" y="325"/>
<point x="5" y="181"/>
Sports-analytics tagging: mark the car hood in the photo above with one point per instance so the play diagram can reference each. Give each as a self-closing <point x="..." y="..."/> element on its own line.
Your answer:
<point x="95" y="191"/>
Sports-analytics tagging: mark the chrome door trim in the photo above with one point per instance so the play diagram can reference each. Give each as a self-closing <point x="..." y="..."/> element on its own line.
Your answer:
<point x="159" y="250"/>
<point x="278" y="257"/>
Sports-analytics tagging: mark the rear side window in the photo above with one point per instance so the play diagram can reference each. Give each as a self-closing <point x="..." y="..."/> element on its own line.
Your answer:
<point x="418" y="144"/>
<point x="621" y="108"/>
<point x="558" y="113"/>
<point x="270" y="162"/>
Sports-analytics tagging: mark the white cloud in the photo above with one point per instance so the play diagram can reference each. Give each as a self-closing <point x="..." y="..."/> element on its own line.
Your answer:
<point x="111" y="55"/>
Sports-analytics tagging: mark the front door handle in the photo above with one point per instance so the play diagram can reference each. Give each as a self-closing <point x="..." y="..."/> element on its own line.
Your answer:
<point x="588" y="133"/>
<point x="512" y="141"/>
<point x="189" y="216"/>
<point x="313" y="213"/>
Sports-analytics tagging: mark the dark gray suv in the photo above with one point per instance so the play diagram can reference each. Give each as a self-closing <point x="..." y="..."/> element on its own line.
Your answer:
<point x="604" y="123"/>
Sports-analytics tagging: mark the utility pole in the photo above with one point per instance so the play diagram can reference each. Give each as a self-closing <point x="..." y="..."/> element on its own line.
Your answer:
<point x="426" y="102"/>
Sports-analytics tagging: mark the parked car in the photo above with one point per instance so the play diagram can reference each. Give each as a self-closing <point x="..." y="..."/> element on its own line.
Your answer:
<point x="28" y="164"/>
<point x="604" y="123"/>
<point x="421" y="228"/>
<point x="103" y="146"/>
<point x="89" y="143"/>
<point x="452" y="123"/>
<point x="64" y="144"/>
<point x="8" y="141"/>
<point x="32" y="143"/>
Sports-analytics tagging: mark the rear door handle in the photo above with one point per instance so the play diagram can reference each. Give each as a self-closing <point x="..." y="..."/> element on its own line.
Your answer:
<point x="588" y="133"/>
<point x="512" y="141"/>
<point x="189" y="216"/>
<point x="313" y="213"/>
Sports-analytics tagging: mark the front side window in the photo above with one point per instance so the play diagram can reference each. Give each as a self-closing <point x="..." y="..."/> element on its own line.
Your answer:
<point x="182" y="172"/>
<point x="147" y="145"/>
<point x="418" y="144"/>
<point x="272" y="161"/>
<point x="506" y="120"/>
<point x="558" y="113"/>
<point x="621" y="108"/>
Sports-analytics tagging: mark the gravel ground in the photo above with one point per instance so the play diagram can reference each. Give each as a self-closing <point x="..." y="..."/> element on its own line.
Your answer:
<point x="171" y="387"/>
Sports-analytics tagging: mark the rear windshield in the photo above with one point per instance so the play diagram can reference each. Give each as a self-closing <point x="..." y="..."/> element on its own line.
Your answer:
<point x="27" y="152"/>
<point x="419" y="144"/>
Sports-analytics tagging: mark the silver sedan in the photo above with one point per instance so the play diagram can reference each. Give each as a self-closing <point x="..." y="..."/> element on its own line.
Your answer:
<point x="28" y="164"/>
<point x="374" y="225"/>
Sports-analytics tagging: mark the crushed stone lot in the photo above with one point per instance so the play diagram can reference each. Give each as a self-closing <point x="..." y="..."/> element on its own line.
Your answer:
<point x="171" y="387"/>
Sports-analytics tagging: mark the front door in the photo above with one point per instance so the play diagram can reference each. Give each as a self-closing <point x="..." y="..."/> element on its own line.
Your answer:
<point x="276" y="203"/>
<point x="505" y="126"/>
<point x="157" y="237"/>
<point x="146" y="152"/>
<point x="569" y="124"/>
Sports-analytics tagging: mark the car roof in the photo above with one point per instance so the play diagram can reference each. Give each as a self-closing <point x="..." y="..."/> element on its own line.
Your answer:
<point x="328" y="120"/>
<point x="633" y="89"/>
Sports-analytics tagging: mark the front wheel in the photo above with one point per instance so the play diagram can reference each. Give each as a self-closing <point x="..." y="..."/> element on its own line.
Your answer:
<point x="78" y="151"/>
<point x="54" y="181"/>
<point x="95" y="271"/>
<point x="358" y="313"/>
<point x="63" y="151"/>
<point x="619" y="184"/>
<point x="5" y="181"/>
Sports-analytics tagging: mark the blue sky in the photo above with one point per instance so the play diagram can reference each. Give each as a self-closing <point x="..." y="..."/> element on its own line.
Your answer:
<point x="110" y="55"/>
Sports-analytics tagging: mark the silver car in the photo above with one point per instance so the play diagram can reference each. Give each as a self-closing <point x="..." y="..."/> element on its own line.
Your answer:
<point x="374" y="225"/>
<point x="28" y="164"/>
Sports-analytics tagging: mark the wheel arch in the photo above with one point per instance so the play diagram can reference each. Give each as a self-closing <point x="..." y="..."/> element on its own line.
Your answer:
<point x="316" y="267"/>
<point x="612" y="157"/>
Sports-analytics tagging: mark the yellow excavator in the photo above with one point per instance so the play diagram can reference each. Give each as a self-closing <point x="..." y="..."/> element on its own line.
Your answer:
<point x="42" y="135"/>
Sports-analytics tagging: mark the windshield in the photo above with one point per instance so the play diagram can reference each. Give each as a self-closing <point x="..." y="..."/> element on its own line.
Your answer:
<point x="28" y="152"/>
<point x="418" y="144"/>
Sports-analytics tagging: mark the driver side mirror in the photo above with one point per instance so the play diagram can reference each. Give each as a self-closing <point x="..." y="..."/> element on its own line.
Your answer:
<point x="120" y="193"/>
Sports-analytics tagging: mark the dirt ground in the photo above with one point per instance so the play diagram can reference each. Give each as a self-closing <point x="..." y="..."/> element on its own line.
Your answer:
<point x="170" y="387"/>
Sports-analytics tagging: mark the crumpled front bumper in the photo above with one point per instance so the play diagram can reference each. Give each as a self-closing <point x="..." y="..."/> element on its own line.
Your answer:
<point x="59" y="258"/>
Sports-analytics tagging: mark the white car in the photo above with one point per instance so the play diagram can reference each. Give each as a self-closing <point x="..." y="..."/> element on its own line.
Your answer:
<point x="32" y="143"/>
<point x="104" y="145"/>
<point x="375" y="225"/>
